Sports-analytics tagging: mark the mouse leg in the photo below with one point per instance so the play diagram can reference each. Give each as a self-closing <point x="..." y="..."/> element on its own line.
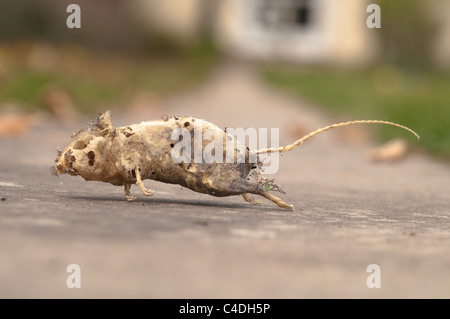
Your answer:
<point x="276" y="200"/>
<point x="251" y="200"/>
<point x="140" y="184"/>
<point x="126" y="188"/>
<point x="246" y="186"/>
<point x="243" y="187"/>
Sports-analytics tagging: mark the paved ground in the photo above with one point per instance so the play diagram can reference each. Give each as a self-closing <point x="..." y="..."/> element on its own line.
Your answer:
<point x="179" y="244"/>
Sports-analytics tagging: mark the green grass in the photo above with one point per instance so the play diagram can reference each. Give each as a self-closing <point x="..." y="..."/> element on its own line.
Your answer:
<point x="94" y="79"/>
<point x="26" y="86"/>
<point x="419" y="99"/>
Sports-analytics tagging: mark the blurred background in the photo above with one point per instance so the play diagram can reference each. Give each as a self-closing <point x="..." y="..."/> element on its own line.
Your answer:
<point x="130" y="54"/>
<point x="296" y="65"/>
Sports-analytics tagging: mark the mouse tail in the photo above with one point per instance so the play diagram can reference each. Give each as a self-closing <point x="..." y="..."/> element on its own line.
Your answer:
<point x="326" y="128"/>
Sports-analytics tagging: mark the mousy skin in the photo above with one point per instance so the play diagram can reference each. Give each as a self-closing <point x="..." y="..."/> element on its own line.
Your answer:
<point x="128" y="155"/>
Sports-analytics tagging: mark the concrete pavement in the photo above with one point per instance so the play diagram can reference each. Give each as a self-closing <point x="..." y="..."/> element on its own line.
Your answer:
<point x="350" y="213"/>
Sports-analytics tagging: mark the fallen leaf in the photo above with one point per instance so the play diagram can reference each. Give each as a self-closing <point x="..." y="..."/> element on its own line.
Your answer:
<point x="393" y="150"/>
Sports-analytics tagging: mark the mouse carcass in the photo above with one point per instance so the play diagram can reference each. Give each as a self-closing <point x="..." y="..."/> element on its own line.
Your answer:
<point x="127" y="155"/>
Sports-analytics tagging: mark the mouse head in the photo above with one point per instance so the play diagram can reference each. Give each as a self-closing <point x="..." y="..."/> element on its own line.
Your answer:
<point x="89" y="154"/>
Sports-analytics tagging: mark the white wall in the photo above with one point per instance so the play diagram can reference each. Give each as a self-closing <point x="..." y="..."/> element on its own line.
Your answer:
<point x="337" y="33"/>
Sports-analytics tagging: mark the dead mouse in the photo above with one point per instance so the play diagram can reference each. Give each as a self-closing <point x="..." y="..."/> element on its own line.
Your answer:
<point x="127" y="155"/>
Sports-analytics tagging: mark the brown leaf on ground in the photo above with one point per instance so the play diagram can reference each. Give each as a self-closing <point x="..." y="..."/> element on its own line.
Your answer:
<point x="14" y="124"/>
<point x="393" y="150"/>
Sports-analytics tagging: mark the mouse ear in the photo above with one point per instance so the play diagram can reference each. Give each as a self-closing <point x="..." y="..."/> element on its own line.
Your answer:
<point x="103" y="125"/>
